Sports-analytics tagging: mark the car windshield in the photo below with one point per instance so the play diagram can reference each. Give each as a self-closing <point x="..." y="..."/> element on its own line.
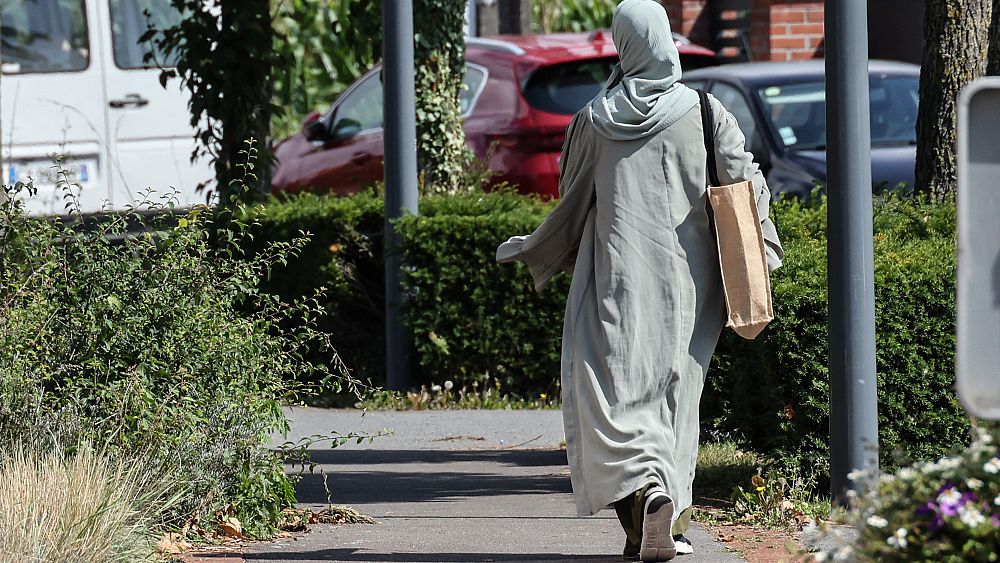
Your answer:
<point x="798" y="112"/>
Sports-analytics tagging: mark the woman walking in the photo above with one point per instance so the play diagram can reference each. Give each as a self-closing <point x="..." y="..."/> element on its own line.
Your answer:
<point x="645" y="307"/>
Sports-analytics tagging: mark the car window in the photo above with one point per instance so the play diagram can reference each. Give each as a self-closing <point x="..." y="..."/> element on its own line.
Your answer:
<point x="44" y="36"/>
<point x="363" y="104"/>
<point x="736" y="103"/>
<point x="472" y="83"/>
<point x="565" y="88"/>
<point x="694" y="84"/>
<point x="129" y="20"/>
<point x="798" y="112"/>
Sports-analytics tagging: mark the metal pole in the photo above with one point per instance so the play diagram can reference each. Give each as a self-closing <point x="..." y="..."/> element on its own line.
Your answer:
<point x="400" y="177"/>
<point x="471" y="21"/>
<point x="853" y="399"/>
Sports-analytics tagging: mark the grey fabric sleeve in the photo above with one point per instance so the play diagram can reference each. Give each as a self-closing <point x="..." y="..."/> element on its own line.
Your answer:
<point x="553" y="245"/>
<point x="736" y="164"/>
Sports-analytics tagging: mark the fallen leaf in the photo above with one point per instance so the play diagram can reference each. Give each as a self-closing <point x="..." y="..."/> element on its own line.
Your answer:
<point x="231" y="527"/>
<point x="173" y="544"/>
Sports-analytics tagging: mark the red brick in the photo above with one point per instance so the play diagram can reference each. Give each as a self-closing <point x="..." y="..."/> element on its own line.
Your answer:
<point x="729" y="15"/>
<point x="806" y="29"/>
<point x="787" y="16"/>
<point x="779" y="30"/>
<point x="801" y="54"/>
<point x="779" y="43"/>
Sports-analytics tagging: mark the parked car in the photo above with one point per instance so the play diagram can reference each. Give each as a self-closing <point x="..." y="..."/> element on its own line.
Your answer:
<point x="75" y="84"/>
<point x="520" y="94"/>
<point x="781" y="109"/>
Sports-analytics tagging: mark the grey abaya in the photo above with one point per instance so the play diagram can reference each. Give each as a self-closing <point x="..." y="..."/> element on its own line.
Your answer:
<point x="645" y="307"/>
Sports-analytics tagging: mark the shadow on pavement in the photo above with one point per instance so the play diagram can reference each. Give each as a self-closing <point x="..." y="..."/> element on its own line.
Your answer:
<point x="371" y="487"/>
<point x="348" y="554"/>
<point x="520" y="458"/>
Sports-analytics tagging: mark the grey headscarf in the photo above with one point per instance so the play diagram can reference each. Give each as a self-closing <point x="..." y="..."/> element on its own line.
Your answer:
<point x="643" y="95"/>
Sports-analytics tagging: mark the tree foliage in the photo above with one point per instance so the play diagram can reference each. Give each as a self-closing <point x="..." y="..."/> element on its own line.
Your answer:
<point x="224" y="53"/>
<point x="322" y="47"/>
<point x="439" y="55"/>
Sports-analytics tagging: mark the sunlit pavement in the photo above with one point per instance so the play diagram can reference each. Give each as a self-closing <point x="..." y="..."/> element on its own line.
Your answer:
<point x="452" y="486"/>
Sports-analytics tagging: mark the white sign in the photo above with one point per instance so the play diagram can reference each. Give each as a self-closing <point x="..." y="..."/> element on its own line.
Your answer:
<point x="979" y="248"/>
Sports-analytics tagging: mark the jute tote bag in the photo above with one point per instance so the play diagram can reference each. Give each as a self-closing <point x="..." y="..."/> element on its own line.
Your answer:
<point x="733" y="210"/>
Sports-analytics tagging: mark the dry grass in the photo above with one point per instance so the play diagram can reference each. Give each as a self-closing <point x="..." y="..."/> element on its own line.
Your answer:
<point x="79" y="508"/>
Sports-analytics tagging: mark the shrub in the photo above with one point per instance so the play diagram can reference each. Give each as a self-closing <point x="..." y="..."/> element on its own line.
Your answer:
<point x="473" y="319"/>
<point x="84" y="507"/>
<point x="340" y="264"/>
<point x="157" y="347"/>
<point x="774" y="391"/>
<point x="947" y="510"/>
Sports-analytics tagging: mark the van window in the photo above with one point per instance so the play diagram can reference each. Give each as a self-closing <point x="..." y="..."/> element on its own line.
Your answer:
<point x="44" y="36"/>
<point x="129" y="20"/>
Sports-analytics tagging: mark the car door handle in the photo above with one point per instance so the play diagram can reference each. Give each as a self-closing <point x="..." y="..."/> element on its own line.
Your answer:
<point x="134" y="100"/>
<point x="360" y="158"/>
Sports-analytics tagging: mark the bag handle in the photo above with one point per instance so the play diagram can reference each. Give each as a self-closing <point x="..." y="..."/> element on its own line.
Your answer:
<point x="708" y="127"/>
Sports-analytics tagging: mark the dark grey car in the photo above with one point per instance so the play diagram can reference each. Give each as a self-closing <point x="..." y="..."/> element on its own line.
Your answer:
<point x="781" y="109"/>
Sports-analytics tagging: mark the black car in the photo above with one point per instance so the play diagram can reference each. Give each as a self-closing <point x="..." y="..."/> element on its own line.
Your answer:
<point x="781" y="109"/>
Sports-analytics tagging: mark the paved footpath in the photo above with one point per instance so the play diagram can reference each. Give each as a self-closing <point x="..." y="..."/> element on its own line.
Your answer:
<point x="453" y="486"/>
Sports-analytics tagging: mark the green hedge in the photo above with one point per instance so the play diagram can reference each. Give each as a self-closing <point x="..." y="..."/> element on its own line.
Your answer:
<point x="472" y="318"/>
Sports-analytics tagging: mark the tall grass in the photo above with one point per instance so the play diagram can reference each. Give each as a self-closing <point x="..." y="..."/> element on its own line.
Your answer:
<point x="78" y="508"/>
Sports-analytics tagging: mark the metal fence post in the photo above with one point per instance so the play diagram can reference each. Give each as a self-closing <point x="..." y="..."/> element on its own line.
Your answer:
<point x="853" y="398"/>
<point x="400" y="178"/>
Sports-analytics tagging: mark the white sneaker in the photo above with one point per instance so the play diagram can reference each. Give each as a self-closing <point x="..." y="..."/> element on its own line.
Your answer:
<point x="658" y="513"/>
<point x="683" y="545"/>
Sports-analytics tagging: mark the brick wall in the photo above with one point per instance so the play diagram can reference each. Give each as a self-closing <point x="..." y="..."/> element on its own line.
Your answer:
<point x="691" y="19"/>
<point x="778" y="30"/>
<point x="786" y="30"/>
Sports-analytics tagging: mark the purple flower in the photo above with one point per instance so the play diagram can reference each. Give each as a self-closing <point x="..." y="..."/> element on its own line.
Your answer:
<point x="950" y="499"/>
<point x="930" y="511"/>
<point x="995" y="519"/>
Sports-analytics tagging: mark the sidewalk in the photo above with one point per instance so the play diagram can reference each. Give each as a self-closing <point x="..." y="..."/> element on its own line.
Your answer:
<point x="453" y="486"/>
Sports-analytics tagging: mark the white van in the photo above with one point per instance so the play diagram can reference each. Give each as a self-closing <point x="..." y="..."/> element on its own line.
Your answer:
<point x="74" y="83"/>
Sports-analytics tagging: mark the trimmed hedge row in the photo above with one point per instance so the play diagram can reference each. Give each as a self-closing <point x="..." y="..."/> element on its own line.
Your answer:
<point x="472" y="318"/>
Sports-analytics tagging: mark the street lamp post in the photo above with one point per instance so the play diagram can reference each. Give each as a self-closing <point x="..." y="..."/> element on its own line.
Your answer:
<point x="400" y="138"/>
<point x="853" y="399"/>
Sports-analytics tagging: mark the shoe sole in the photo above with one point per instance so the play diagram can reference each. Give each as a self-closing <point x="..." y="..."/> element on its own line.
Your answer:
<point x="657" y="539"/>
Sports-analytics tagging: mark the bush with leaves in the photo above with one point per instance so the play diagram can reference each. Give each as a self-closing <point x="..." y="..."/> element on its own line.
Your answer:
<point x="473" y="319"/>
<point x="156" y="346"/>
<point x="946" y="510"/>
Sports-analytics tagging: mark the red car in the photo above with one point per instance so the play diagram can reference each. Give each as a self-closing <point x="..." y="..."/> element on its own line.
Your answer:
<point x="520" y="93"/>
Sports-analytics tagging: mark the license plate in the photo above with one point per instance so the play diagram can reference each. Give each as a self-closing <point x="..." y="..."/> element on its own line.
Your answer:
<point x="45" y="175"/>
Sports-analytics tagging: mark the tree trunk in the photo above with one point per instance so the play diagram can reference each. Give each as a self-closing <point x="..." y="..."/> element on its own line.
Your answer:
<point x="439" y="54"/>
<point x="245" y="57"/>
<point x="955" y="48"/>
<point x="993" y="59"/>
